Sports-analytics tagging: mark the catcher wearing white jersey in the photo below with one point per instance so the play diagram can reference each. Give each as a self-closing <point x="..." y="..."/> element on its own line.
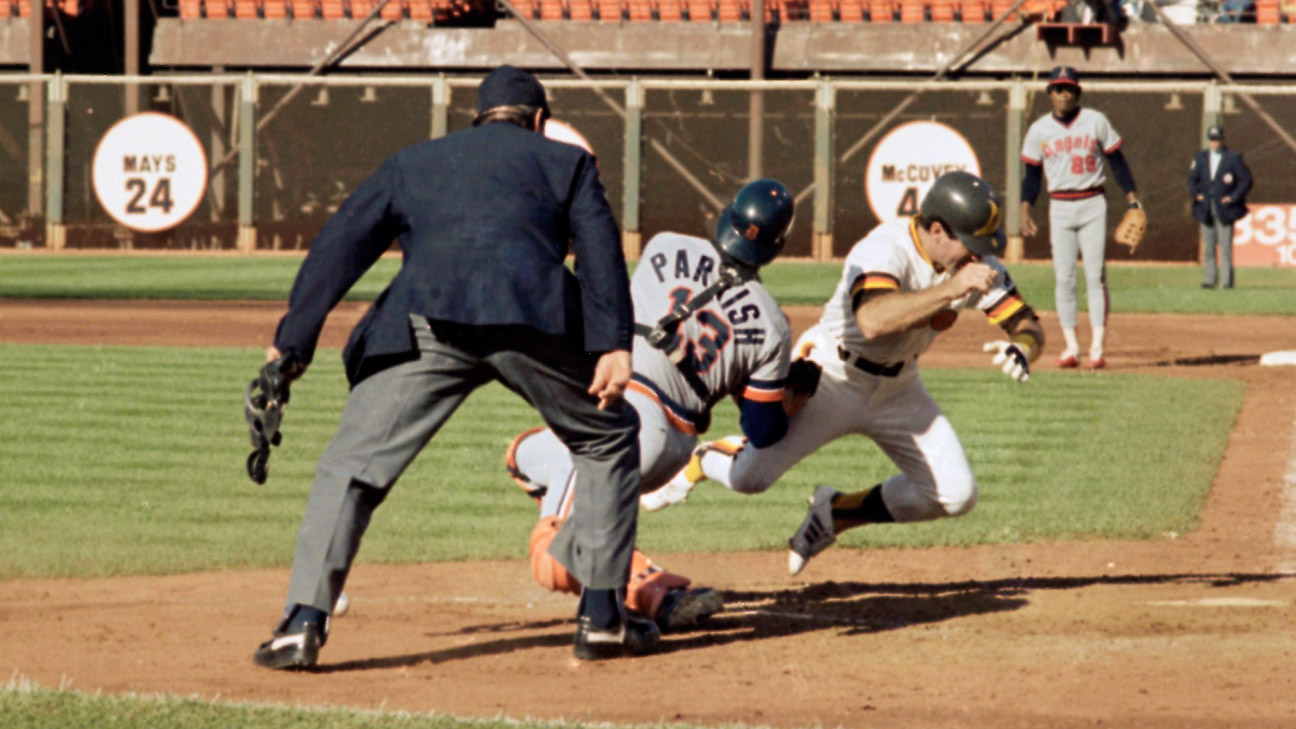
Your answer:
<point x="1067" y="147"/>
<point x="902" y="285"/>
<point x="706" y="329"/>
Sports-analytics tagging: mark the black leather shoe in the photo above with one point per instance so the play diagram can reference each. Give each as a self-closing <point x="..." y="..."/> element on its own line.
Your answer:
<point x="296" y="642"/>
<point x="635" y="636"/>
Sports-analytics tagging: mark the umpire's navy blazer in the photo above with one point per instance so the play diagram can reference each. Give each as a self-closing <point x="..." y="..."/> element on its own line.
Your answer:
<point x="484" y="217"/>
<point x="1232" y="179"/>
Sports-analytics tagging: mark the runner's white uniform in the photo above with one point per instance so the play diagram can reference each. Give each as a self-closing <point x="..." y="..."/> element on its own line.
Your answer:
<point x="1072" y="156"/>
<point x="872" y="387"/>
<point x="739" y="342"/>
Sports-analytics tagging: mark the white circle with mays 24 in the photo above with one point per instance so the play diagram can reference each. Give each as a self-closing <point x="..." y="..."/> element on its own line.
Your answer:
<point x="150" y="172"/>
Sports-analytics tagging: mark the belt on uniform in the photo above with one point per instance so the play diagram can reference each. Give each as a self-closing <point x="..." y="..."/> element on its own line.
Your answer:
<point x="1076" y="194"/>
<point x="869" y="366"/>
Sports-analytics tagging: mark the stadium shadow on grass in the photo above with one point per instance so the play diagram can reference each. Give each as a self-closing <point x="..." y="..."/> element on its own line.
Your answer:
<point x="856" y="608"/>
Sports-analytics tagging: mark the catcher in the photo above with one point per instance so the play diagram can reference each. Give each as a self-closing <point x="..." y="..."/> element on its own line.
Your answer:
<point x="706" y="328"/>
<point x="1068" y="146"/>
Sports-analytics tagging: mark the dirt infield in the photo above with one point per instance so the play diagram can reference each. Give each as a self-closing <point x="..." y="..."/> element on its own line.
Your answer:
<point x="1188" y="630"/>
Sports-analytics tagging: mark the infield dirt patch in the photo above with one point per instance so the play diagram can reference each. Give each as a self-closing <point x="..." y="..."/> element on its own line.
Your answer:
<point x="1185" y="631"/>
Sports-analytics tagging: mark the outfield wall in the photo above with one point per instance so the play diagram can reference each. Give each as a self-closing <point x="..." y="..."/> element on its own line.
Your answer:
<point x="280" y="184"/>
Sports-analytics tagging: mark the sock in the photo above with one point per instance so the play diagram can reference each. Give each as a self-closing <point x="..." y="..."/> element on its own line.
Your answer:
<point x="1096" y="347"/>
<point x="859" y="508"/>
<point x="1069" y="334"/>
<point x="303" y="614"/>
<point x="716" y="466"/>
<point x="602" y="607"/>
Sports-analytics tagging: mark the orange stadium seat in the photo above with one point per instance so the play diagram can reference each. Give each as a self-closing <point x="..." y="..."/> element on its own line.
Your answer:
<point x="332" y="9"/>
<point x="304" y="9"/>
<point x="246" y="9"/>
<point x="190" y="9"/>
<point x="821" y="11"/>
<point x="362" y="8"/>
<point x="551" y="10"/>
<point x="971" y="11"/>
<point x="639" y="11"/>
<point x="526" y="8"/>
<point x="729" y="11"/>
<point x="942" y="11"/>
<point x="610" y="10"/>
<point x="913" y="11"/>
<point x="580" y="10"/>
<point x="670" y="11"/>
<point x="699" y="10"/>
<point x="999" y="7"/>
<point x="220" y="8"/>
<point x="275" y="9"/>
<point x="881" y="11"/>
<point x="1267" y="12"/>
<point x="421" y="10"/>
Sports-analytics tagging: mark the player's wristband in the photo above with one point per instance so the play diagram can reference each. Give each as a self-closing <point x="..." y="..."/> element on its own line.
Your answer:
<point x="1029" y="345"/>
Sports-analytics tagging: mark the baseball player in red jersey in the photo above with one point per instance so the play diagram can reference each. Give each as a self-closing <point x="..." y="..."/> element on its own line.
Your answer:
<point x="901" y="286"/>
<point x="734" y="341"/>
<point x="1068" y="147"/>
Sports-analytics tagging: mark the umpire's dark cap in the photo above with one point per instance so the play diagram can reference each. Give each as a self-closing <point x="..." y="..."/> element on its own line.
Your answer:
<point x="1064" y="76"/>
<point x="510" y="86"/>
<point x="1215" y="132"/>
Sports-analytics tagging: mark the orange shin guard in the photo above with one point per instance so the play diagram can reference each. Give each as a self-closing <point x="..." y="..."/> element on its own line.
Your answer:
<point x="649" y="585"/>
<point x="549" y="572"/>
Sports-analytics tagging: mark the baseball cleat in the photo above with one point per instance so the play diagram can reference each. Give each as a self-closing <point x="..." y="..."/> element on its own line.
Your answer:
<point x="1068" y="360"/>
<point x="296" y="642"/>
<point x="678" y="488"/>
<point x="1097" y="363"/>
<point x="687" y="608"/>
<point x="510" y="463"/>
<point x="816" y="532"/>
<point x="634" y="636"/>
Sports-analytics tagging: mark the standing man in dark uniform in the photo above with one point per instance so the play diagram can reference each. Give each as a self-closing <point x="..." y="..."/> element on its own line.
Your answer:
<point x="484" y="218"/>
<point x="1219" y="182"/>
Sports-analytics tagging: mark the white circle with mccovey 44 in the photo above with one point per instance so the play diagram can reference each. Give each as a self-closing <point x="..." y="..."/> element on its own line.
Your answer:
<point x="907" y="161"/>
<point x="150" y="172"/>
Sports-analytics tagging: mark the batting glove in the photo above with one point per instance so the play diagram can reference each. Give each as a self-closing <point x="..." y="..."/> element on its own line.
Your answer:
<point x="1011" y="358"/>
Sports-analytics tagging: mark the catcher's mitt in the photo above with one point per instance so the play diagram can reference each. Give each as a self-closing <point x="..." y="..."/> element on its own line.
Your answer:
<point x="801" y="383"/>
<point x="1132" y="227"/>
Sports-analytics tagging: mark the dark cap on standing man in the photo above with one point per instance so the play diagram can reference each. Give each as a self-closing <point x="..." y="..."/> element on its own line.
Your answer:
<point x="1064" y="76"/>
<point x="1214" y="132"/>
<point x="510" y="86"/>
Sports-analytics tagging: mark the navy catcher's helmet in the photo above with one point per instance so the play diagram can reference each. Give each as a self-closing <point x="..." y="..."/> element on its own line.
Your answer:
<point x="753" y="228"/>
<point x="969" y="210"/>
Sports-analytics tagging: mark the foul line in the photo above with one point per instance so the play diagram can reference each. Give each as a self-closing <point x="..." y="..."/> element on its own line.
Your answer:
<point x="1285" y="529"/>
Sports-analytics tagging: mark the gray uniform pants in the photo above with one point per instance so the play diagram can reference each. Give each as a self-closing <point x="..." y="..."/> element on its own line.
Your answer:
<point x="663" y="451"/>
<point x="392" y="414"/>
<point x="1079" y="226"/>
<point x="1220" y="235"/>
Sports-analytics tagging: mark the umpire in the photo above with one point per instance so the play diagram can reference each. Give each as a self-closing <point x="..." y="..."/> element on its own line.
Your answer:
<point x="1219" y="182"/>
<point x="484" y="218"/>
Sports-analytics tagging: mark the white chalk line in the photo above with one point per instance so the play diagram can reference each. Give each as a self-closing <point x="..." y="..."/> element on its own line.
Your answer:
<point x="1285" y="529"/>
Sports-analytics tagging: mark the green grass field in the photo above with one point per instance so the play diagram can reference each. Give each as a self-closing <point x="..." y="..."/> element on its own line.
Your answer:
<point x="140" y="451"/>
<point x="1137" y="288"/>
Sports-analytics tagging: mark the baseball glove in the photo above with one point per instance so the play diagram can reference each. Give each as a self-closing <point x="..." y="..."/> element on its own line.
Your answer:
<point x="801" y="383"/>
<point x="1132" y="227"/>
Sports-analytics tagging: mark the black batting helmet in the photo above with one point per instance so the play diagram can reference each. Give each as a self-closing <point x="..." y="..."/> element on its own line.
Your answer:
<point x="966" y="206"/>
<point x="753" y="228"/>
